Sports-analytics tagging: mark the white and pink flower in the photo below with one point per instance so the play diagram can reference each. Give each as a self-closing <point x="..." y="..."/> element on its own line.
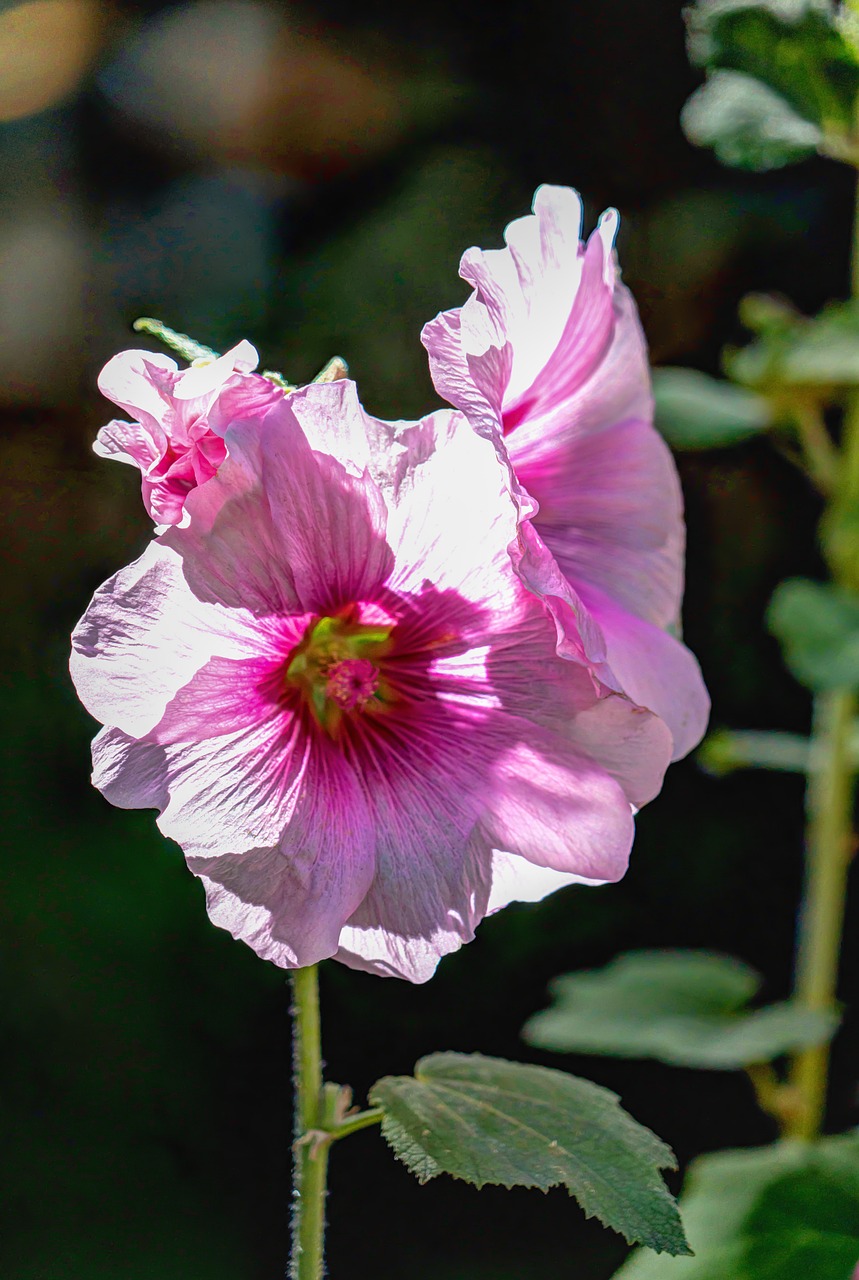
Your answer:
<point x="181" y="415"/>
<point x="547" y="359"/>
<point x="349" y="711"/>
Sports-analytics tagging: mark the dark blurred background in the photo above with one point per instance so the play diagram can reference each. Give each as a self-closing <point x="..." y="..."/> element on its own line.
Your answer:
<point x="307" y="176"/>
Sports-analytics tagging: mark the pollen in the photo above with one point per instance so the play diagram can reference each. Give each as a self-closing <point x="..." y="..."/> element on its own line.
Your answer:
<point x="338" y="667"/>
<point x="352" y="682"/>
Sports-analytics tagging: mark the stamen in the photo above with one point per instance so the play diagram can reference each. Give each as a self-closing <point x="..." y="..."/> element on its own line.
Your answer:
<point x="352" y="682"/>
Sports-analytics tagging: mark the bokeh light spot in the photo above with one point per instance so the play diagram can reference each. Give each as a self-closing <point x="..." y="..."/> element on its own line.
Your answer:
<point x="46" y="48"/>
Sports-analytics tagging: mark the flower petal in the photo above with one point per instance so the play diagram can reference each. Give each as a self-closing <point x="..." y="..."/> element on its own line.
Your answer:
<point x="654" y="670"/>
<point x="517" y="880"/>
<point x="558" y="809"/>
<point x="289" y="901"/>
<point x="134" y="380"/>
<point x="142" y="638"/>
<point x="131" y="442"/>
<point x="283" y="528"/>
<point x="207" y="379"/>
<point x="611" y="512"/>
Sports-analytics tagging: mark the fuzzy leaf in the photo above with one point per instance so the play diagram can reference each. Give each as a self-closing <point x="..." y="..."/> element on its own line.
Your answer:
<point x="786" y="1212"/>
<point x="792" y="46"/>
<point x="489" y="1121"/>
<point x="747" y="124"/>
<point x="817" y="625"/>
<point x="694" y="411"/>
<point x="686" y="1008"/>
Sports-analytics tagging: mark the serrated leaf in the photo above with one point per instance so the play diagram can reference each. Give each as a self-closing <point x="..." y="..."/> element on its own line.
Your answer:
<point x="817" y="625"/>
<point x="489" y="1121"/>
<point x="792" y="46"/>
<point x="786" y="1212"/>
<point x="747" y="124"/>
<point x="694" y="411"/>
<point x="685" y="1008"/>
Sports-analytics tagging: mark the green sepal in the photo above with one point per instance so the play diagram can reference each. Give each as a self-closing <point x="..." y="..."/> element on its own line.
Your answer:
<point x="785" y="1212"/>
<point x="685" y="1008"/>
<point x="817" y="625"/>
<point x="489" y="1121"/>
<point x="694" y="411"/>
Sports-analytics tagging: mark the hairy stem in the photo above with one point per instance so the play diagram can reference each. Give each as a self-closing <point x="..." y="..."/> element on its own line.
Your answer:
<point x="310" y="1149"/>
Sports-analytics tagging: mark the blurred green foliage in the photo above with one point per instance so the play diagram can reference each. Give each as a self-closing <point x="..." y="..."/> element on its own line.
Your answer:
<point x="787" y="1212"/>
<point x="145" y="1061"/>
<point x="782" y="81"/>
<point x="686" y="1008"/>
<point x="694" y="411"/>
<point x="817" y="624"/>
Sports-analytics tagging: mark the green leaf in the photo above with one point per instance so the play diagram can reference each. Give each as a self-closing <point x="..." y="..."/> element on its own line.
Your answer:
<point x="800" y="351"/>
<point x="817" y="625"/>
<point x="786" y="1212"/>
<point x="490" y="1121"/>
<point x="747" y="124"/>
<point x="792" y="46"/>
<point x="697" y="412"/>
<point x="686" y="1008"/>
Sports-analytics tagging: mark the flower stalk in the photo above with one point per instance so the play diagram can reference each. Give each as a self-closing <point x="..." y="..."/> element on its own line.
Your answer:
<point x="829" y="848"/>
<point x="830" y="793"/>
<point x="310" y="1148"/>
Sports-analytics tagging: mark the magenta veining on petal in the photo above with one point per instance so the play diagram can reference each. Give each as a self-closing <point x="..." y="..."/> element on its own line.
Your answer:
<point x="346" y="706"/>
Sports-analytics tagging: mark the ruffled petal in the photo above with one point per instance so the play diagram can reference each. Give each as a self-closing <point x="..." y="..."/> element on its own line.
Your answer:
<point x="135" y="381"/>
<point x="611" y="512"/>
<point x="289" y="901"/>
<point x="517" y="880"/>
<point x="207" y="379"/>
<point x="143" y="637"/>
<point x="129" y="772"/>
<point x="429" y="893"/>
<point x="557" y="808"/>
<point x="131" y="442"/>
<point x="656" y="671"/>
<point x="283" y="528"/>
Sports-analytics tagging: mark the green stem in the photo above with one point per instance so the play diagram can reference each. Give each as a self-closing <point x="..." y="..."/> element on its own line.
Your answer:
<point x="831" y="785"/>
<point x="310" y="1149"/>
<point x="361" y="1120"/>
<point x="829" y="849"/>
<point x="821" y="457"/>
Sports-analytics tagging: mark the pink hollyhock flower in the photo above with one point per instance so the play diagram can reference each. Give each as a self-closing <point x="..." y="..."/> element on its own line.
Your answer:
<point x="548" y="352"/>
<point x="181" y="415"/>
<point x="344" y="703"/>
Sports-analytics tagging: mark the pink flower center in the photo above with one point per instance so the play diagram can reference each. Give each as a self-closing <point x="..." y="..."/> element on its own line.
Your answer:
<point x="336" y="667"/>
<point x="352" y="682"/>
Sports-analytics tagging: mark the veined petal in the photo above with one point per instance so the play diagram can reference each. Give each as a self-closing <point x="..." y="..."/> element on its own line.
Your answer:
<point x="134" y="379"/>
<point x="143" y="637"/>
<point x="654" y="670"/>
<point x="283" y="528"/>
<point x="131" y="442"/>
<point x="289" y="901"/>
<point x="517" y="880"/>
<point x="611" y="512"/>
<point x="559" y="810"/>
